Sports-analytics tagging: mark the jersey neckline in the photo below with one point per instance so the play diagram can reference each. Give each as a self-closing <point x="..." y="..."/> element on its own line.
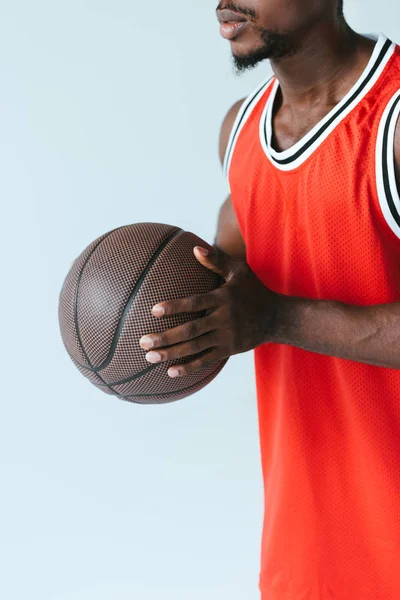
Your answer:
<point x="298" y="153"/>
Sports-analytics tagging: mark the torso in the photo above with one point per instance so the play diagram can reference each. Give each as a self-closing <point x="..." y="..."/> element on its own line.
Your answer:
<point x="321" y="220"/>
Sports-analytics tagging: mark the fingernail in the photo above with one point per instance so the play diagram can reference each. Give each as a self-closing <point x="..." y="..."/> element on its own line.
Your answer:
<point x="173" y="373"/>
<point x="153" y="357"/>
<point x="203" y="251"/>
<point x="146" y="343"/>
<point x="158" y="310"/>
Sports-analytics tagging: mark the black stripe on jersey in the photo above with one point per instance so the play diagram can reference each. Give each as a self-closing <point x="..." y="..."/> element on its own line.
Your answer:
<point x="245" y="112"/>
<point x="386" y="156"/>
<point x="310" y="142"/>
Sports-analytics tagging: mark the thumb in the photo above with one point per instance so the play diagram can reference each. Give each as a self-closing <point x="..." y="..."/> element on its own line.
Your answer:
<point x="214" y="259"/>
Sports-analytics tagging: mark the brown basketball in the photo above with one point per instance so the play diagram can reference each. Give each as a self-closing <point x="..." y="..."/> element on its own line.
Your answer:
<point x="105" y="308"/>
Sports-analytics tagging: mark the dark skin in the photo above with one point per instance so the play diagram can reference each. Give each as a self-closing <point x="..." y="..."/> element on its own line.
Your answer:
<point x="243" y="313"/>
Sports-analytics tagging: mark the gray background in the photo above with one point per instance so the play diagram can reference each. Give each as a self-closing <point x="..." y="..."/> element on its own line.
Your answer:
<point x="110" y="114"/>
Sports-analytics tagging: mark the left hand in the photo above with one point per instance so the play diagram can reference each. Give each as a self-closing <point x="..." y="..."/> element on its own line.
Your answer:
<point x="240" y="316"/>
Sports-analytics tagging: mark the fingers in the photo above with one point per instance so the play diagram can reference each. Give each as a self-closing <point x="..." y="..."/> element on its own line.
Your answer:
<point x="210" y="357"/>
<point x="199" y="344"/>
<point x="187" y="305"/>
<point x="183" y="333"/>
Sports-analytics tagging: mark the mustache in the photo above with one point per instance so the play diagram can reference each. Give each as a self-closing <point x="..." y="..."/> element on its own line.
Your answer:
<point x="242" y="10"/>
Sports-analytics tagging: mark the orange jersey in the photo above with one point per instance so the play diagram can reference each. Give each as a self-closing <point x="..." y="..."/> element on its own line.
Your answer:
<point x="322" y="221"/>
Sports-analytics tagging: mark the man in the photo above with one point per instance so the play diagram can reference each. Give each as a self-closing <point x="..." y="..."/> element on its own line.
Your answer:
<point x="308" y="243"/>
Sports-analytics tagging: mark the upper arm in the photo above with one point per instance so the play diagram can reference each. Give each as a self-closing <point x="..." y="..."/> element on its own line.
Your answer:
<point x="229" y="237"/>
<point x="226" y="128"/>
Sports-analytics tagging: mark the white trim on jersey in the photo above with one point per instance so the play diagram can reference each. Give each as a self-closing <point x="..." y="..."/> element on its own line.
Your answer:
<point x="290" y="159"/>
<point x="388" y="194"/>
<point x="241" y="119"/>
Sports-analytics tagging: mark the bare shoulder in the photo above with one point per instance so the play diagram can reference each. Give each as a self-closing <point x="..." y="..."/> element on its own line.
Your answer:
<point x="228" y="236"/>
<point x="226" y="127"/>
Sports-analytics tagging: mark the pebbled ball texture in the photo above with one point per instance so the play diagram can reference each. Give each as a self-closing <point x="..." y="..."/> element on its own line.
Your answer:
<point x="105" y="308"/>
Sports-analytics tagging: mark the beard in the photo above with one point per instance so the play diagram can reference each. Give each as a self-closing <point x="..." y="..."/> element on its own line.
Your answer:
<point x="274" y="46"/>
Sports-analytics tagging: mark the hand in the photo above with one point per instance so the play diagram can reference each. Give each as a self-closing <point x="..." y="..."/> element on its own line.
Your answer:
<point x="240" y="316"/>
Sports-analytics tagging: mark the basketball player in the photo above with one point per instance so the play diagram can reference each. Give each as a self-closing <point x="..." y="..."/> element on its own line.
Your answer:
<point x="308" y="242"/>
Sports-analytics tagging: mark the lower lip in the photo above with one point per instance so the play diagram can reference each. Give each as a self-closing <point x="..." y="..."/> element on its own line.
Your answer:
<point x="231" y="30"/>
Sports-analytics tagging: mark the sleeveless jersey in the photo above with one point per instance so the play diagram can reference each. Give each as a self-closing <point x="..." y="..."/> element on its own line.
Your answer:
<point x="322" y="221"/>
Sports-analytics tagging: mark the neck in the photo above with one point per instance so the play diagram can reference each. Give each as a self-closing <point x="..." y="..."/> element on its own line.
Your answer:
<point x="328" y="59"/>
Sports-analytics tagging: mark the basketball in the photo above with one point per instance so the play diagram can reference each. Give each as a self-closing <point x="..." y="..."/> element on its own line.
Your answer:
<point x="105" y="308"/>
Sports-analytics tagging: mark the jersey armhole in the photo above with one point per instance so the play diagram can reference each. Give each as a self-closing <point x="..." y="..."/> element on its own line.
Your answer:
<point x="240" y="120"/>
<point x="388" y="193"/>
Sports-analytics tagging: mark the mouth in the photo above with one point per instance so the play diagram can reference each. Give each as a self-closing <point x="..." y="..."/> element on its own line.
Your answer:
<point x="230" y="31"/>
<point x="231" y="23"/>
<point x="229" y="16"/>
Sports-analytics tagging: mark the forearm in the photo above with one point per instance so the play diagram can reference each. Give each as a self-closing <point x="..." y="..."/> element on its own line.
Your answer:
<point x="364" y="334"/>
